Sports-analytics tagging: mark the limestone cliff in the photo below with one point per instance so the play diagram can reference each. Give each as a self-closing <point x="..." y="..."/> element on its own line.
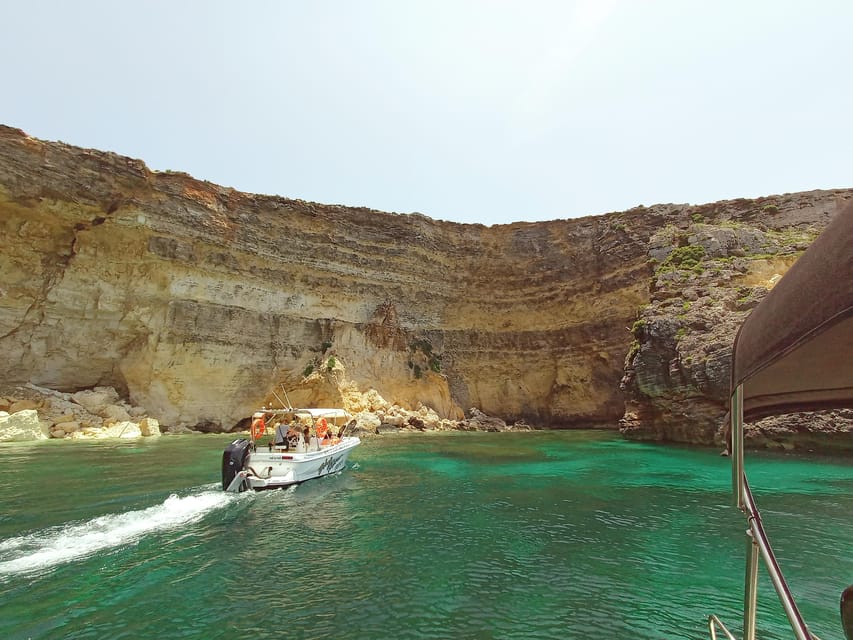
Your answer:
<point x="198" y="302"/>
<point x="710" y="270"/>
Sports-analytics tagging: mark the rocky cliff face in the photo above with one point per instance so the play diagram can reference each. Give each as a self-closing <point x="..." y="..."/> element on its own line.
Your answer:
<point x="199" y="302"/>
<point x="709" y="270"/>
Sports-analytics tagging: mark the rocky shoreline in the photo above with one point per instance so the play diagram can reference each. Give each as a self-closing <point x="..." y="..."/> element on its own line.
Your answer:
<point x="30" y="412"/>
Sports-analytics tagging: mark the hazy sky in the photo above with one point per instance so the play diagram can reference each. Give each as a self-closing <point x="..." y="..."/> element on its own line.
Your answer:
<point x="484" y="111"/>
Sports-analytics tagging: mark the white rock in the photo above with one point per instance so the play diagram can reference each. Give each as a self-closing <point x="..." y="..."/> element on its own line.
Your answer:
<point x="122" y="430"/>
<point x="149" y="427"/>
<point x="367" y="421"/>
<point x="22" y="426"/>
<point x="395" y="420"/>
<point x="432" y="421"/>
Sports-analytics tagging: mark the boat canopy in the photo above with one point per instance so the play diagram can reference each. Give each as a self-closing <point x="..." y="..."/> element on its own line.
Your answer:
<point x="795" y="350"/>
<point x="329" y="414"/>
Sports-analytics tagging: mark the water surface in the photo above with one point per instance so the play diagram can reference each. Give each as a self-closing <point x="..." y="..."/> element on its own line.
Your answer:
<point x="540" y="535"/>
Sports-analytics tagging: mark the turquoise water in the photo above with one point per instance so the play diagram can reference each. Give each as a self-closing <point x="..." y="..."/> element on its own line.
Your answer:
<point x="541" y="535"/>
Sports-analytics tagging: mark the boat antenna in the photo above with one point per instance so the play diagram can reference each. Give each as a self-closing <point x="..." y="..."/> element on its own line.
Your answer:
<point x="283" y="406"/>
<point x="284" y="391"/>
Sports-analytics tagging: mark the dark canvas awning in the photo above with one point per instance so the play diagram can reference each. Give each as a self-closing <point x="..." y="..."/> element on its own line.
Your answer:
<point x="795" y="350"/>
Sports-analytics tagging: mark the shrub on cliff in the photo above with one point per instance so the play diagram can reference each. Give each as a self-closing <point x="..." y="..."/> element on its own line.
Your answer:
<point x="687" y="258"/>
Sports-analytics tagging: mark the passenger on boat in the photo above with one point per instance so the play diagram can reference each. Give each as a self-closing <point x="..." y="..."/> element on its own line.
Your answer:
<point x="287" y="436"/>
<point x="293" y="437"/>
<point x="324" y="432"/>
<point x="280" y="435"/>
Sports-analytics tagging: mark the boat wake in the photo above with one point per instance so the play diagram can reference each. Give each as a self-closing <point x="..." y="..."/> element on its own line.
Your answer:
<point x="47" y="548"/>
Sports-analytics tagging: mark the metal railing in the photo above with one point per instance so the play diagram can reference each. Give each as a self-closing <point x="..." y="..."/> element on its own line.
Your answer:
<point x="758" y="545"/>
<point x="713" y="623"/>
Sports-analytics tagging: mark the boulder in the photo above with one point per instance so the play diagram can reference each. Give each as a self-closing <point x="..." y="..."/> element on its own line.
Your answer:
<point x="69" y="426"/>
<point x="149" y="427"/>
<point x="22" y="426"/>
<point x="479" y="421"/>
<point x="23" y="405"/>
<point x="115" y="413"/>
<point x="394" y="419"/>
<point x="431" y="421"/>
<point x="366" y="421"/>
<point x="93" y="401"/>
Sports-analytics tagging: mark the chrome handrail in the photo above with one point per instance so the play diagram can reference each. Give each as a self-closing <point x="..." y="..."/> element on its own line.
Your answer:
<point x="760" y="542"/>
<point x="736" y="414"/>
<point x="757" y="543"/>
<point x="713" y="623"/>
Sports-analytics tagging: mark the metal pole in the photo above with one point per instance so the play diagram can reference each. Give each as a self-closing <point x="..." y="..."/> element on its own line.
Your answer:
<point x="792" y="612"/>
<point x="750" y="590"/>
<point x="283" y="406"/>
<point x="284" y="391"/>
<point x="737" y="445"/>
<point x="761" y="543"/>
<point x="758" y="545"/>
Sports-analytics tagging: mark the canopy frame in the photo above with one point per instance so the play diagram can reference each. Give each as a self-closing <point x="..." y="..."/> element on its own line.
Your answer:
<point x="793" y="353"/>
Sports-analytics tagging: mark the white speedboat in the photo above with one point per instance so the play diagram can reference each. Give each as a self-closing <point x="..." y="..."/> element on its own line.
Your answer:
<point x="793" y="353"/>
<point x="303" y="444"/>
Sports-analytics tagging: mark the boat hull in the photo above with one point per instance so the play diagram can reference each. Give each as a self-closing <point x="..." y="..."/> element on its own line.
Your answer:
<point x="280" y="468"/>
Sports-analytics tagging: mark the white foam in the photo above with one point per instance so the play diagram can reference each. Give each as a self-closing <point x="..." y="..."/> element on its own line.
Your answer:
<point x="58" y="545"/>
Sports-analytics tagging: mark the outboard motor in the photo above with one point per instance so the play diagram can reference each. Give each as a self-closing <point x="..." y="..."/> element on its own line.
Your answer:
<point x="233" y="460"/>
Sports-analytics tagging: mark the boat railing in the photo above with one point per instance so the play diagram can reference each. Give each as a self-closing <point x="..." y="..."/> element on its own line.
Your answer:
<point x="758" y="544"/>
<point x="715" y="623"/>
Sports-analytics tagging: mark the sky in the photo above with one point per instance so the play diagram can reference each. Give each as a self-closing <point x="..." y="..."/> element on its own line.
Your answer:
<point x="476" y="111"/>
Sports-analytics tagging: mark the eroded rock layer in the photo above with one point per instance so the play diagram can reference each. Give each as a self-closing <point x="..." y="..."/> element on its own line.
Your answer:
<point x="200" y="302"/>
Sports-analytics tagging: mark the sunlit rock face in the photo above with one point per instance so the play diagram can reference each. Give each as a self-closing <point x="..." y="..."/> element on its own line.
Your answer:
<point x="201" y="303"/>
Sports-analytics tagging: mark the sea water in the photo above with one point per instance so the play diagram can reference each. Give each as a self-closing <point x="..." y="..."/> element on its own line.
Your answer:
<point x="533" y="535"/>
